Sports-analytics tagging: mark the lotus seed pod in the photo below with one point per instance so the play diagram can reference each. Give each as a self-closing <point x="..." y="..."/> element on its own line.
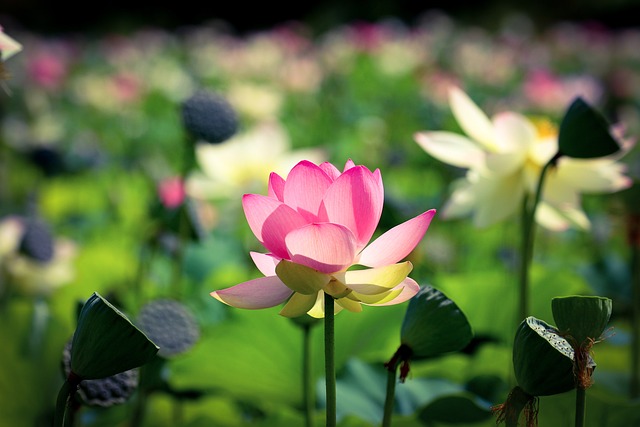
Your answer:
<point x="581" y="317"/>
<point x="170" y="325"/>
<point x="542" y="359"/>
<point x="208" y="116"/>
<point x="104" y="392"/>
<point x="37" y="241"/>
<point x="433" y="324"/>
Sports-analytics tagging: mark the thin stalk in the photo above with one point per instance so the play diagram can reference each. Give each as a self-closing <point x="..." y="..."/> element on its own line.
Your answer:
<point x="581" y="405"/>
<point x="523" y="291"/>
<point x="635" y="289"/>
<point x="188" y="161"/>
<point x="63" y="416"/>
<point x="178" y="260"/>
<point x="307" y="389"/>
<point x="528" y="232"/>
<point x="392" y="373"/>
<point x="329" y="360"/>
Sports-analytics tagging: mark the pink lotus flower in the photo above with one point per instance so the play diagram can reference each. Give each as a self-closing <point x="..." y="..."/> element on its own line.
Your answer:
<point x="316" y="224"/>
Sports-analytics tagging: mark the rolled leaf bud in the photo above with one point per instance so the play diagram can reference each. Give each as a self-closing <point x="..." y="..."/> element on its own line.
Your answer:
<point x="210" y="117"/>
<point x="581" y="317"/>
<point x="106" y="342"/>
<point x="170" y="325"/>
<point x="37" y="241"/>
<point x="543" y="359"/>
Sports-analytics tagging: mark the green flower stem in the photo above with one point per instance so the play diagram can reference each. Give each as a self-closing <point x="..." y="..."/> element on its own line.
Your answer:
<point x="581" y="404"/>
<point x="307" y="387"/>
<point x="523" y="302"/>
<point x="392" y="371"/>
<point x="329" y="360"/>
<point x="528" y="232"/>
<point x="63" y="415"/>
<point x="188" y="162"/>
<point x="178" y="261"/>
<point x="517" y="401"/>
<point x="635" y="326"/>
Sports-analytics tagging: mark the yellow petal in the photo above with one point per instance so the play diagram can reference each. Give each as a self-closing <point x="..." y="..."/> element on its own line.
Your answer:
<point x="377" y="298"/>
<point x="298" y="305"/>
<point x="337" y="289"/>
<point x="349" y="304"/>
<point x="317" y="310"/>
<point x="377" y="280"/>
<point x="300" y="278"/>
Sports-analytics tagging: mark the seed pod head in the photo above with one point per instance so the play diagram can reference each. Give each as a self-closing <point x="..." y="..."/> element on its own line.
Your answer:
<point x="543" y="359"/>
<point x="37" y="241"/>
<point x="170" y="325"/>
<point x="104" y="392"/>
<point x="581" y="317"/>
<point x="433" y="325"/>
<point x="209" y="117"/>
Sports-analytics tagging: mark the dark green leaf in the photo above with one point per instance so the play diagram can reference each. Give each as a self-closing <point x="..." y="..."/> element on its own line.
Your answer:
<point x="106" y="342"/>
<point x="459" y="408"/>
<point x="584" y="133"/>
<point x="581" y="317"/>
<point x="433" y="325"/>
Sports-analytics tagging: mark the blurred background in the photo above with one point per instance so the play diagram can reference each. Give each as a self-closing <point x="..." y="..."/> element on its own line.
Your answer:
<point x="102" y="189"/>
<point x="68" y="16"/>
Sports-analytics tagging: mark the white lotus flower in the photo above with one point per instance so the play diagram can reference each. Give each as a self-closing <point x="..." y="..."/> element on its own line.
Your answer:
<point x="504" y="157"/>
<point x="8" y="46"/>
<point x="239" y="165"/>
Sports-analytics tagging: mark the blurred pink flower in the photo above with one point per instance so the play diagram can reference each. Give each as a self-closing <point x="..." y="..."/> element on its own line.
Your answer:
<point x="127" y="87"/>
<point x="48" y="70"/>
<point x="316" y="224"/>
<point x="171" y="192"/>
<point x="552" y="93"/>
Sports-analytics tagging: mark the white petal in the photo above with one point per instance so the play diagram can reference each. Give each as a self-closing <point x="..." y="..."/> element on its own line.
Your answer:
<point x="451" y="148"/>
<point x="472" y="119"/>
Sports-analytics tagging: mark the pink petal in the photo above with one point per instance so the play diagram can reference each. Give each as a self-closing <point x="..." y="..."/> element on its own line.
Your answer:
<point x="409" y="288"/>
<point x="355" y="200"/>
<point x="276" y="186"/>
<point x="304" y="188"/>
<point x="266" y="263"/>
<point x="325" y="247"/>
<point x="396" y="243"/>
<point x="270" y="221"/>
<point x="330" y="170"/>
<point x="263" y="292"/>
<point x="348" y="165"/>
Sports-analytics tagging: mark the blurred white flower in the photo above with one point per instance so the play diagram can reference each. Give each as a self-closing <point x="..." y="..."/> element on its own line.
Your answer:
<point x="8" y="46"/>
<point x="504" y="157"/>
<point x="242" y="163"/>
<point x="27" y="275"/>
